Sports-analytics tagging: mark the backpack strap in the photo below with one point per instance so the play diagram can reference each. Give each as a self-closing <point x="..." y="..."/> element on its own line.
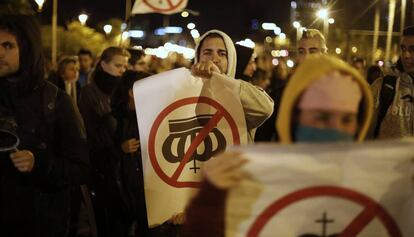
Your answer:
<point x="386" y="97"/>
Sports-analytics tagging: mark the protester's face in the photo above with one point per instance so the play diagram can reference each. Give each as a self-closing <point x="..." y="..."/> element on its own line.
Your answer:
<point x="9" y="54"/>
<point x="346" y="122"/>
<point x="85" y="62"/>
<point x="140" y="65"/>
<point x="115" y="67"/>
<point x="213" y="49"/>
<point x="407" y="53"/>
<point x="71" y="72"/>
<point x="307" y="47"/>
<point x="250" y="68"/>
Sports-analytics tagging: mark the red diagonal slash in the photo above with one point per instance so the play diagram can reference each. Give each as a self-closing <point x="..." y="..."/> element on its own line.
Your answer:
<point x="198" y="139"/>
<point x="170" y="3"/>
<point x="360" y="222"/>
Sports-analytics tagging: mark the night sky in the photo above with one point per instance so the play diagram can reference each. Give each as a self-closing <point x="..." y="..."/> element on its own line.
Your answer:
<point x="232" y="16"/>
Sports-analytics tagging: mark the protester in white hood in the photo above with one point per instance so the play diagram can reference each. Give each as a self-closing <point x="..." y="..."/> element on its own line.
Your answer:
<point x="215" y="52"/>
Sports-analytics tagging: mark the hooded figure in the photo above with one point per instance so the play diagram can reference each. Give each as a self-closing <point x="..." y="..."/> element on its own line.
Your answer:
<point x="215" y="52"/>
<point x="244" y="59"/>
<point x="334" y="86"/>
<point x="323" y="85"/>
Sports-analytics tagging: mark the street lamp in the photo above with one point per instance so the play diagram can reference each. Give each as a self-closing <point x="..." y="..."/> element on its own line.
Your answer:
<point x="40" y="4"/>
<point x="107" y="29"/>
<point x="83" y="18"/>
<point x="298" y="27"/>
<point x="324" y="15"/>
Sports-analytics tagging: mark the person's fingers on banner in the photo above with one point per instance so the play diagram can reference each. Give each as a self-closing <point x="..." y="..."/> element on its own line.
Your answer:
<point x="23" y="160"/>
<point x="130" y="146"/>
<point x="224" y="171"/>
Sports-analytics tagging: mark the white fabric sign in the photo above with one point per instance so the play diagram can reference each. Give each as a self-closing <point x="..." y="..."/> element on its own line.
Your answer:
<point x="325" y="190"/>
<point x="159" y="6"/>
<point x="183" y="121"/>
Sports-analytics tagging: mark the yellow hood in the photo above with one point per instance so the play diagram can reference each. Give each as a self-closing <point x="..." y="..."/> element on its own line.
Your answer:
<point x="313" y="68"/>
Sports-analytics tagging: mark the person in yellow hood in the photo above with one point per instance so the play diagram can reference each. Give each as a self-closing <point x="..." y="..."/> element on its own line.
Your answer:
<point x="326" y="100"/>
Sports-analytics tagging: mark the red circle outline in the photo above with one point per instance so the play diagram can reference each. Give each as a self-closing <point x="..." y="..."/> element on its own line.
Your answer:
<point x="162" y="9"/>
<point x="158" y="121"/>
<point x="333" y="191"/>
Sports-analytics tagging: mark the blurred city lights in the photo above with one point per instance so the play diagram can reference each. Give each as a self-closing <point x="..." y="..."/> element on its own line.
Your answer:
<point x="275" y="61"/>
<point x="282" y="36"/>
<point x="293" y="4"/>
<point x="136" y="33"/>
<point x="380" y="63"/>
<point x="268" y="39"/>
<point x="277" y="30"/>
<point x="296" y="24"/>
<point x="83" y="18"/>
<point x="331" y="21"/>
<point x="123" y="26"/>
<point x="173" y="30"/>
<point x="195" y="34"/>
<point x="338" y="51"/>
<point x="354" y="49"/>
<point x="185" y="14"/>
<point x="269" y="26"/>
<point x="125" y="35"/>
<point x="40" y="4"/>
<point x="247" y="43"/>
<point x="191" y="26"/>
<point x="290" y="63"/>
<point x="107" y="29"/>
<point x="322" y="13"/>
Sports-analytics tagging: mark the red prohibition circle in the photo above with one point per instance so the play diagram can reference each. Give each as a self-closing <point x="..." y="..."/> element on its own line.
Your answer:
<point x="371" y="210"/>
<point x="172" y="6"/>
<point x="221" y="113"/>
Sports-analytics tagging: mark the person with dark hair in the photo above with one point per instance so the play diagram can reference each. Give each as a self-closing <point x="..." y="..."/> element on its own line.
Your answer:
<point x="95" y="107"/>
<point x="360" y="64"/>
<point x="393" y="95"/>
<point x="137" y="61"/>
<point x="66" y="77"/>
<point x="246" y="64"/>
<point x="261" y="78"/>
<point x="85" y="62"/>
<point x="215" y="52"/>
<point x="52" y="157"/>
<point x="374" y="72"/>
<point x="132" y="213"/>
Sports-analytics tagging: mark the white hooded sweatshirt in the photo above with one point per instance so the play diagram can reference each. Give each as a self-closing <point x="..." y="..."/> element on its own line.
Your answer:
<point x="257" y="104"/>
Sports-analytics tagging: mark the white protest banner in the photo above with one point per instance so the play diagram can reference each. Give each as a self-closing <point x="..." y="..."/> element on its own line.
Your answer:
<point x="159" y="6"/>
<point x="345" y="190"/>
<point x="183" y="121"/>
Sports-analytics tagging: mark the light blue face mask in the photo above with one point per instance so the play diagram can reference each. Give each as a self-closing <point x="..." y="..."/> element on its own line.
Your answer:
<point x="321" y="135"/>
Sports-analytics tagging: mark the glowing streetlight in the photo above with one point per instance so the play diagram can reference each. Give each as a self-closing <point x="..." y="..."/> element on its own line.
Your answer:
<point x="107" y="29"/>
<point x="338" y="50"/>
<point x="296" y="24"/>
<point x="191" y="26"/>
<point x="354" y="49"/>
<point x="40" y="4"/>
<point x="83" y="18"/>
<point x="185" y="14"/>
<point x="322" y="13"/>
<point x="282" y="36"/>
<point x="331" y="20"/>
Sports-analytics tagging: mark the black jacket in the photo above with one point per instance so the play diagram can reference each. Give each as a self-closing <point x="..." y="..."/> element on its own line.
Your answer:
<point x="38" y="203"/>
<point x="129" y="172"/>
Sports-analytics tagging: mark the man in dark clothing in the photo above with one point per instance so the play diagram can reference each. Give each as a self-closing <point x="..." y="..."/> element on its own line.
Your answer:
<point x="36" y="178"/>
<point x="246" y="64"/>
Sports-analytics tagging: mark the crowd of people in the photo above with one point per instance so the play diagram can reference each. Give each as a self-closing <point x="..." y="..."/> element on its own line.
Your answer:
<point x="78" y="171"/>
